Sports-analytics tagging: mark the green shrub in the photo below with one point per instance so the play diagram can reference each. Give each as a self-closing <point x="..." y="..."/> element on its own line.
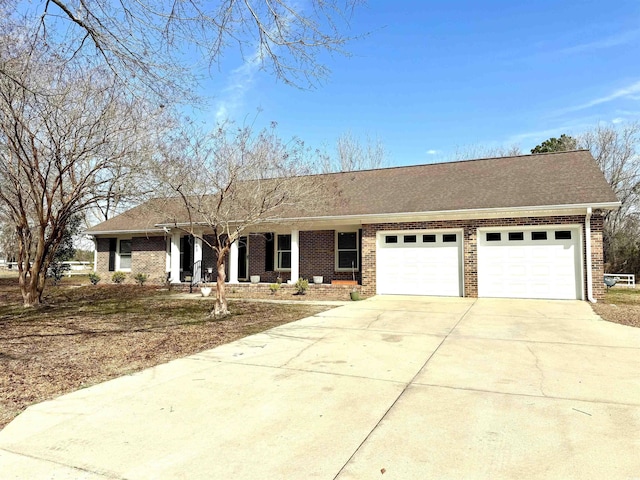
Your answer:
<point x="274" y="287"/>
<point x="301" y="286"/>
<point x="94" y="278"/>
<point x="140" y="278"/>
<point x="118" y="277"/>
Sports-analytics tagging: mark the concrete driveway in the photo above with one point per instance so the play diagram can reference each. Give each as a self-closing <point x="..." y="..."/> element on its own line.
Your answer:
<point x="390" y="388"/>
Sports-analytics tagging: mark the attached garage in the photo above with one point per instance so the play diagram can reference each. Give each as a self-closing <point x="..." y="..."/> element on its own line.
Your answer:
<point x="419" y="263"/>
<point x="532" y="262"/>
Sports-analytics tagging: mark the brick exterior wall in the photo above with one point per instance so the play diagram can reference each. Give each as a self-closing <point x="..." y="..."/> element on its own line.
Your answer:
<point x="597" y="256"/>
<point x="102" y="261"/>
<point x="470" y="246"/>
<point x="149" y="256"/>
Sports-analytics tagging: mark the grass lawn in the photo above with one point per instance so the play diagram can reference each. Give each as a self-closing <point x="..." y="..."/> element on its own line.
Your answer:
<point x="88" y="334"/>
<point x="620" y="305"/>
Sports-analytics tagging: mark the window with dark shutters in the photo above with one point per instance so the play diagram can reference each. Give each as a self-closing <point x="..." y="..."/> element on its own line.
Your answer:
<point x="113" y="245"/>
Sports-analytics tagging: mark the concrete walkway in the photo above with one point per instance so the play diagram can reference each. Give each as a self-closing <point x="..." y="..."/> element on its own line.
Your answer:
<point x="390" y="388"/>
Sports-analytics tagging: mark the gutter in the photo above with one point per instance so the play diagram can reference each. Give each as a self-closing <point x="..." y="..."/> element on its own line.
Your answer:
<point x="587" y="229"/>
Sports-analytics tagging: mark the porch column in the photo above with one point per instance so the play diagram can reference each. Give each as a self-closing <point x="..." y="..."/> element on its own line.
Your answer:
<point x="197" y="257"/>
<point x="175" y="257"/>
<point x="295" y="256"/>
<point x="233" y="263"/>
<point x="95" y="254"/>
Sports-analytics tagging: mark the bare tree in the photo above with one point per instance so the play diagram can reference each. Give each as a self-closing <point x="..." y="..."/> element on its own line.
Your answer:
<point x="616" y="149"/>
<point x="63" y="132"/>
<point x="352" y="154"/>
<point x="152" y="44"/>
<point x="472" y="152"/>
<point x="229" y="180"/>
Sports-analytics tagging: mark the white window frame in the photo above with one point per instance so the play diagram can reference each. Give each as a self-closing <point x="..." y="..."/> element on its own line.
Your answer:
<point x="119" y="268"/>
<point x="336" y="250"/>
<point x="276" y="262"/>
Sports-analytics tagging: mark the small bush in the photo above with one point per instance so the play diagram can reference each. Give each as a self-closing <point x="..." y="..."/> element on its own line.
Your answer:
<point x="94" y="278"/>
<point x="140" y="278"/>
<point x="56" y="271"/>
<point x="118" y="277"/>
<point x="301" y="286"/>
<point x="274" y="287"/>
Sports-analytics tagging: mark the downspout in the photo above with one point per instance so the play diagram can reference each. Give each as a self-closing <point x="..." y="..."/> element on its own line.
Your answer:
<point x="587" y="229"/>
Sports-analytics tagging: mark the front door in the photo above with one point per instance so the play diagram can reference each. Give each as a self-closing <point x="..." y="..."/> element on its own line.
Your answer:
<point x="243" y="263"/>
<point x="186" y="257"/>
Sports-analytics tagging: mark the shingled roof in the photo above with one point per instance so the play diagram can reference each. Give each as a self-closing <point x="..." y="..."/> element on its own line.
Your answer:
<point x="555" y="180"/>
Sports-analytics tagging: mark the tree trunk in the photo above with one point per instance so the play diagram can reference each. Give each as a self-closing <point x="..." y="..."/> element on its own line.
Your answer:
<point x="221" y="308"/>
<point x="31" y="287"/>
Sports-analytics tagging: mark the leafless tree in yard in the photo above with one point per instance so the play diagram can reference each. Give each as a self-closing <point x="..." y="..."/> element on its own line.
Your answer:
<point x="617" y="151"/>
<point x="63" y="131"/>
<point x="352" y="153"/>
<point x="231" y="179"/>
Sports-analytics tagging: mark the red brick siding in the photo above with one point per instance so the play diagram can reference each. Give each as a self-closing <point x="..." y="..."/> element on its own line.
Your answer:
<point x="102" y="262"/>
<point x="149" y="256"/>
<point x="317" y="256"/>
<point x="469" y="228"/>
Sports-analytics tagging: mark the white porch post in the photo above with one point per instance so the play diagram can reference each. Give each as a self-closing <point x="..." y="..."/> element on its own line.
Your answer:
<point x="233" y="263"/>
<point x="175" y="257"/>
<point x="95" y="254"/>
<point x="295" y="256"/>
<point x="197" y="257"/>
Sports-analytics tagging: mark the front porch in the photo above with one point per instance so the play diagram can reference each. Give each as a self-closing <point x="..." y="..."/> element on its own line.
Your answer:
<point x="269" y="257"/>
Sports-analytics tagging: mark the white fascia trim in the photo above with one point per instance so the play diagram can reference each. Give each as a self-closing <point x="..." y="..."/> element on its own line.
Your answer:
<point x="126" y="232"/>
<point x="455" y="214"/>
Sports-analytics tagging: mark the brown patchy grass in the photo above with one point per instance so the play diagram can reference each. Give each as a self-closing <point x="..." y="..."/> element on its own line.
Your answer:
<point x="620" y="305"/>
<point x="88" y="334"/>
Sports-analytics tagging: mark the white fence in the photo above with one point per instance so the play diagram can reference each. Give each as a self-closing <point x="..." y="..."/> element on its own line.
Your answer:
<point x="627" y="280"/>
<point x="75" y="268"/>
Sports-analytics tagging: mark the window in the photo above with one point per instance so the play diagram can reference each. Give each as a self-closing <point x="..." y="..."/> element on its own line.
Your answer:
<point x="347" y="251"/>
<point x="449" y="237"/>
<point x="563" y="235"/>
<point x="538" y="235"/>
<point x="284" y="252"/>
<point x="428" y="238"/>
<point x="391" y="239"/>
<point x="410" y="239"/>
<point x="125" y="255"/>
<point x="516" y="235"/>
<point x="493" y="237"/>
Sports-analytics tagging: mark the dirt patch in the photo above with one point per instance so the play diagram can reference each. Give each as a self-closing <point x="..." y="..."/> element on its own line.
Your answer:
<point x="620" y="306"/>
<point x="89" y="334"/>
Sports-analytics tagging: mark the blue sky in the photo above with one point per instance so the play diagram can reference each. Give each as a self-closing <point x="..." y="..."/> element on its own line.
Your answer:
<point x="433" y="76"/>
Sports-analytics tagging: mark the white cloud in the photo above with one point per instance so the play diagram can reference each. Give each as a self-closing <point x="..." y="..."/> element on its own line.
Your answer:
<point x="433" y="152"/>
<point x="241" y="80"/>
<point x="629" y="92"/>
<point x="607" y="42"/>
<point x="617" y="120"/>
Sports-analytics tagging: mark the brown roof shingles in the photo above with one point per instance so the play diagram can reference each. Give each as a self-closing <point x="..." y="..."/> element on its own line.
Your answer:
<point x="556" y="179"/>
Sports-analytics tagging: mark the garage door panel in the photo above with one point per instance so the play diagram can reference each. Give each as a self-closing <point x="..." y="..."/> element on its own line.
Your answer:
<point x="420" y="268"/>
<point x="529" y="268"/>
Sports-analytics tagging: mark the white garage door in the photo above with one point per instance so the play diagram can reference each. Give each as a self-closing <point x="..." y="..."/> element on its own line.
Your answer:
<point x="536" y="263"/>
<point x="419" y="263"/>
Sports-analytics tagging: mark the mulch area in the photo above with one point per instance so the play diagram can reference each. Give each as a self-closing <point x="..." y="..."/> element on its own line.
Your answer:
<point x="88" y="334"/>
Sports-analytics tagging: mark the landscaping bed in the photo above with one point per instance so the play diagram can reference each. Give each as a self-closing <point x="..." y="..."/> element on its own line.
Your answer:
<point x="620" y="305"/>
<point x="88" y="334"/>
